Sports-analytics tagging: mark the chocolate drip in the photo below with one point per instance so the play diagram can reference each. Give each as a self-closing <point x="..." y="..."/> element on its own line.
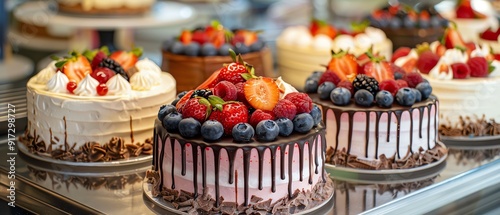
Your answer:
<point x="421" y="116"/>
<point x="411" y="130"/>
<point x="194" y="149"/>
<point x="367" y="133"/>
<point x="131" y="130"/>
<point x="162" y="154"/>
<point x="310" y="148"/>
<point x="66" y="146"/>
<point x="282" y="159"/>
<point x="323" y="154"/>
<point x="429" y="126"/>
<point x="291" y="147"/>
<point x="316" y="162"/>
<point x="183" y="159"/>
<point x="377" y="123"/>
<point x="301" y="158"/>
<point x="231" y="153"/>
<point x="398" y="118"/>
<point x="273" y="168"/>
<point x="172" y="146"/>
<point x="435" y="120"/>
<point x="246" y="173"/>
<point x="217" y="169"/>
<point x="155" y="156"/>
<point x="204" y="166"/>
<point x="389" y="115"/>
<point x="349" y="137"/>
<point x="260" y="151"/>
<point x="49" y="147"/>
<point x="337" y="114"/>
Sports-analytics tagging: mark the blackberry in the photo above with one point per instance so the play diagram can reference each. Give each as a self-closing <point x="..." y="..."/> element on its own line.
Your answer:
<point x="367" y="83"/>
<point x="202" y="93"/>
<point x="113" y="65"/>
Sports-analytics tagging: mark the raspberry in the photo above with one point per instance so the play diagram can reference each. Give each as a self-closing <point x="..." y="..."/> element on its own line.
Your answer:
<point x="389" y="85"/>
<point x="460" y="70"/>
<point x="285" y="109"/>
<point x="402" y="83"/>
<point x="347" y="85"/>
<point x="301" y="100"/>
<point x="478" y="67"/>
<point x="329" y="76"/>
<point x="259" y="115"/>
<point x="413" y="79"/>
<point x="240" y="92"/>
<point x="225" y="90"/>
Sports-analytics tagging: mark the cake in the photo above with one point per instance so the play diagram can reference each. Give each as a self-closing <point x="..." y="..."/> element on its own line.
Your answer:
<point x="405" y="26"/>
<point x="472" y="19"/>
<point x="465" y="77"/>
<point x="96" y="7"/>
<point x="302" y="50"/>
<point x="193" y="56"/>
<point x="224" y="159"/>
<point x="377" y="116"/>
<point x="95" y="107"/>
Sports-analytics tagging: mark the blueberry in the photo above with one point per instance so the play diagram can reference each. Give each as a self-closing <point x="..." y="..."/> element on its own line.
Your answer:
<point x="316" y="114"/>
<point x="384" y="98"/>
<point x="303" y="123"/>
<point x="425" y="89"/>
<point x="241" y="48"/>
<point x="224" y="49"/>
<point x="256" y="46"/>
<point x="181" y="94"/>
<point x="316" y="75"/>
<point x="266" y="130"/>
<point x="171" y="121"/>
<point x="192" y="49"/>
<point x="363" y="97"/>
<point x="189" y="127"/>
<point x="177" y="48"/>
<point x="325" y="89"/>
<point x="406" y="96"/>
<point x="444" y="22"/>
<point x="424" y="23"/>
<point x="435" y="21"/>
<point x="208" y="49"/>
<point x="174" y="102"/>
<point x="395" y="23"/>
<point x="398" y="75"/>
<point x="340" y="96"/>
<point x="164" y="110"/>
<point x="311" y="86"/>
<point x="165" y="45"/>
<point x="243" y="132"/>
<point x="418" y="95"/>
<point x="212" y="130"/>
<point x="285" y="126"/>
<point x="409" y="22"/>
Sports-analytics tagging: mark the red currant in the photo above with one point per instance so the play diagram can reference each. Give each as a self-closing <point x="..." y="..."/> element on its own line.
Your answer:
<point x="102" y="89"/>
<point x="71" y="86"/>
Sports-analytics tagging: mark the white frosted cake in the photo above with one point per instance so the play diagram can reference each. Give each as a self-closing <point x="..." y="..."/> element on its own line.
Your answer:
<point x="101" y="117"/>
<point x="300" y="52"/>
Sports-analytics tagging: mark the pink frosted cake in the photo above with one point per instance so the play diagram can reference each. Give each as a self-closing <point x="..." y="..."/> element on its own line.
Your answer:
<point x="212" y="155"/>
<point x="377" y="116"/>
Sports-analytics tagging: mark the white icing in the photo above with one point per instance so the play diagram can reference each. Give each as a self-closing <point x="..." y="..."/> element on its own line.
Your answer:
<point x="322" y="42"/>
<point x="146" y="64"/>
<point x="117" y="85"/>
<point x="433" y="46"/>
<point x="343" y="42"/>
<point x="376" y="35"/>
<point x="87" y="86"/>
<point x="481" y="51"/>
<point x="363" y="41"/>
<point x="57" y="84"/>
<point x="45" y="74"/>
<point x="141" y="81"/>
<point x="285" y="88"/>
<point x="402" y="60"/>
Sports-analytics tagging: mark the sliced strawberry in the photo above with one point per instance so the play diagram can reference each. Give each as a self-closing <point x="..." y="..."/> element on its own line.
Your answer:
<point x="464" y="10"/>
<point x="452" y="38"/>
<point x="75" y="67"/>
<point x="186" y="37"/>
<point x="489" y="34"/>
<point x="440" y="50"/>
<point x="343" y="64"/>
<point x="210" y="82"/>
<point x="126" y="59"/>
<point x="410" y="65"/>
<point x="400" y="52"/>
<point x="379" y="70"/>
<point x="262" y="93"/>
<point x="249" y="37"/>
<point x="321" y="27"/>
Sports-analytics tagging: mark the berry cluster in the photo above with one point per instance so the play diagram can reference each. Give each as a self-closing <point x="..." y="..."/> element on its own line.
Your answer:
<point x="100" y="64"/>
<point x="321" y="27"/>
<point x="402" y="16"/>
<point x="366" y="81"/>
<point x="213" y="40"/>
<point x="234" y="102"/>
<point x="464" y="10"/>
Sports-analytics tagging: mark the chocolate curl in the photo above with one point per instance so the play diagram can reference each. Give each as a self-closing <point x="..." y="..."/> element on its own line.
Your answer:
<point x="116" y="149"/>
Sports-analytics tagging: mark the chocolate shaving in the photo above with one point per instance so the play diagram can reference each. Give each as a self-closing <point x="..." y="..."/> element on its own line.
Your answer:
<point x="116" y="149"/>
<point x="471" y="127"/>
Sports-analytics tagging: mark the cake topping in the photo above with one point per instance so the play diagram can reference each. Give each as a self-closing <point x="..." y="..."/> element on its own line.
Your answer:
<point x="57" y="83"/>
<point x="398" y="16"/>
<point x="46" y="74"/>
<point x="117" y="85"/>
<point x="141" y="81"/>
<point x="464" y="10"/>
<point x="75" y="67"/>
<point x="87" y="87"/>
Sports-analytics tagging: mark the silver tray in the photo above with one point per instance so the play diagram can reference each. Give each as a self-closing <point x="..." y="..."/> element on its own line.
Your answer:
<point x="464" y="141"/>
<point x="142" y="159"/>
<point x="160" y="206"/>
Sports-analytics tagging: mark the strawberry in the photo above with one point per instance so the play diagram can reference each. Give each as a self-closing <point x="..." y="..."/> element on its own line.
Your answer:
<point x="478" y="67"/>
<point x="210" y="82"/>
<point x="232" y="73"/>
<point x="259" y="115"/>
<point x="262" y="93"/>
<point x="489" y="34"/>
<point x="321" y="27"/>
<point x="186" y="37"/>
<point x="426" y="61"/>
<point x="249" y="37"/>
<point x="126" y="59"/>
<point x="453" y="39"/>
<point x="378" y="68"/>
<point x="410" y="65"/>
<point x="464" y="9"/>
<point x="102" y="74"/>
<point x="198" y="108"/>
<point x="182" y="101"/>
<point x="329" y="76"/>
<point x="76" y="67"/>
<point x="200" y="37"/>
<point x="496" y="56"/>
<point x="460" y="70"/>
<point x="216" y="34"/>
<point x="440" y="50"/>
<point x="343" y="64"/>
<point x="400" y="52"/>
<point x="228" y="113"/>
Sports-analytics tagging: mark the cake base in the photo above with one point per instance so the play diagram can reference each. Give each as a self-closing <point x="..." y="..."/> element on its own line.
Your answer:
<point x="475" y="142"/>
<point x="412" y="37"/>
<point x="78" y="9"/>
<point x="324" y="206"/>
